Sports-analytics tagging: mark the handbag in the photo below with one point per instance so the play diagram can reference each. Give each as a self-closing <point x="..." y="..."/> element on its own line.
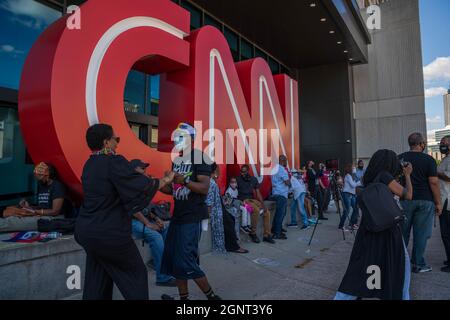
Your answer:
<point x="380" y="210"/>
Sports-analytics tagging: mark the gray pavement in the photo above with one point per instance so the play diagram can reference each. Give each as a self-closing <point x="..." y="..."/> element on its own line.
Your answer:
<point x="294" y="273"/>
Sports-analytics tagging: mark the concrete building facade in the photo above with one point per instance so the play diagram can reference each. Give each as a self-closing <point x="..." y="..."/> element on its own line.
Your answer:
<point x="389" y="101"/>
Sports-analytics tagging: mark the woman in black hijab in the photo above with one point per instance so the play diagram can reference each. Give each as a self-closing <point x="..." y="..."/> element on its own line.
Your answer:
<point x="113" y="192"/>
<point x="384" y="249"/>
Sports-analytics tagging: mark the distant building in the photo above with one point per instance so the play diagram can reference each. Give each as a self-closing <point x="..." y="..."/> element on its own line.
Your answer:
<point x="442" y="133"/>
<point x="447" y="108"/>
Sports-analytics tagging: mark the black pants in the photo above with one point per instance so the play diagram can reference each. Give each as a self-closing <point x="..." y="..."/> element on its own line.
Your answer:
<point x="318" y="195"/>
<point x="326" y="198"/>
<point x="231" y="243"/>
<point x="120" y="264"/>
<point x="444" y="221"/>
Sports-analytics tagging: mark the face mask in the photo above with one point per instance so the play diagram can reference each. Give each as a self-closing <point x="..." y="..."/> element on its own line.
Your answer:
<point x="443" y="149"/>
<point x="361" y="167"/>
<point x="354" y="170"/>
<point x="180" y="143"/>
<point x="233" y="185"/>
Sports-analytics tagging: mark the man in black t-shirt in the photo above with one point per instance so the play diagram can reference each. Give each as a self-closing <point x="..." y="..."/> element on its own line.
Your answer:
<point x="248" y="185"/>
<point x="426" y="200"/>
<point x="190" y="187"/>
<point x="314" y="182"/>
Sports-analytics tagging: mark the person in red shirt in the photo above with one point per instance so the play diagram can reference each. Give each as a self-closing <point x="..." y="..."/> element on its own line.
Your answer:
<point x="324" y="182"/>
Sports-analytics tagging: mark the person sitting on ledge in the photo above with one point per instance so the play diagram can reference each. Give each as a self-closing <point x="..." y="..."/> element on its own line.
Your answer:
<point x="51" y="203"/>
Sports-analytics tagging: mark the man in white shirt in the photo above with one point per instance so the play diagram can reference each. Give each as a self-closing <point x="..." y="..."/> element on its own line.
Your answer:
<point x="299" y="190"/>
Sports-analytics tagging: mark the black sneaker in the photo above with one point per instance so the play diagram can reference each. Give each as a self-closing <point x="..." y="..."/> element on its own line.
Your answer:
<point x="254" y="238"/>
<point x="292" y="225"/>
<point x="269" y="239"/>
<point x="280" y="237"/>
<point x="323" y="218"/>
<point x="305" y="228"/>
<point x="171" y="283"/>
<point x="283" y="230"/>
<point x="214" y="297"/>
<point x="446" y="269"/>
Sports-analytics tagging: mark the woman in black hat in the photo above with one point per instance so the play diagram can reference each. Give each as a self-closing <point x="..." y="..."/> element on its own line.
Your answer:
<point x="113" y="192"/>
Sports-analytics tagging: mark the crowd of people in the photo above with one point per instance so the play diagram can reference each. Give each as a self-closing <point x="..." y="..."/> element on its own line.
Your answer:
<point x="117" y="209"/>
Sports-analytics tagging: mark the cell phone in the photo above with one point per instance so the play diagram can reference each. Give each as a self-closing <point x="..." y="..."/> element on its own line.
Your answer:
<point x="404" y="163"/>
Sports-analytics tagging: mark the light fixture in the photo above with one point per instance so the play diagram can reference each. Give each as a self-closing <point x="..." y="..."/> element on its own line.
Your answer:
<point x="323" y="19"/>
<point x="351" y="59"/>
<point x="345" y="51"/>
<point x="331" y="31"/>
<point x="339" y="42"/>
<point x="312" y="5"/>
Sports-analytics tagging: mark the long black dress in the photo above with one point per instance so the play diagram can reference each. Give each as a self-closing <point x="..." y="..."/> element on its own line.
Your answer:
<point x="113" y="192"/>
<point x="383" y="249"/>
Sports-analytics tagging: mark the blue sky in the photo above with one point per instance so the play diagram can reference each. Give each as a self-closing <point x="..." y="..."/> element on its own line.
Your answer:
<point x="435" y="29"/>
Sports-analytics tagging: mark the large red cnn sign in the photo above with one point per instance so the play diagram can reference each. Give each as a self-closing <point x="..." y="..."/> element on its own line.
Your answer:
<point x="75" y="78"/>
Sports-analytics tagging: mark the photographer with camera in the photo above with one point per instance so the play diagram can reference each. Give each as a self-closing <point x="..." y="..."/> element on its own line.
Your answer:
<point x="148" y="226"/>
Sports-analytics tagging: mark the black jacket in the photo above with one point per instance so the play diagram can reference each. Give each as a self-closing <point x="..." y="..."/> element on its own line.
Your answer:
<point x="113" y="192"/>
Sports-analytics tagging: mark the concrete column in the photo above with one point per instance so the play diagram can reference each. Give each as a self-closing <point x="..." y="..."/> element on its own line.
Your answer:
<point x="389" y="90"/>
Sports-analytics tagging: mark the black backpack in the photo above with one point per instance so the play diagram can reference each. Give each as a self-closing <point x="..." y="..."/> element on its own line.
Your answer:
<point x="380" y="210"/>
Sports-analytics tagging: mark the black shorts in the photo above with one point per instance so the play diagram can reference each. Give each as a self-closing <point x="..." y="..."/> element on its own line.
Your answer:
<point x="181" y="257"/>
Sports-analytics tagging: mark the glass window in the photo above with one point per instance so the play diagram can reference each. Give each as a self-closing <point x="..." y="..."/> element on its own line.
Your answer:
<point x="134" y="99"/>
<point x="21" y="23"/>
<point x="196" y="15"/>
<point x="233" y="42"/>
<point x="259" y="53"/>
<point x="141" y="131"/>
<point x="274" y="66"/>
<point x="8" y="118"/>
<point x="154" y="136"/>
<point x="210" y="21"/>
<point x="153" y="95"/>
<point x="246" y="50"/>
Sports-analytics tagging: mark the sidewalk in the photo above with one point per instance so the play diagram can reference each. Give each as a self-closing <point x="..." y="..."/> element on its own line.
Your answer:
<point x="237" y="276"/>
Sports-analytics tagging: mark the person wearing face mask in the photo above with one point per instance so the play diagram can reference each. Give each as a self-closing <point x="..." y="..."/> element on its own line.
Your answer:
<point x="222" y="222"/>
<point x="113" y="193"/>
<point x="181" y="257"/>
<point x="444" y="179"/>
<point x="248" y="187"/>
<point x="360" y="171"/>
<point x="349" y="198"/>
<point x="51" y="203"/>
<point x="426" y="201"/>
<point x="237" y="208"/>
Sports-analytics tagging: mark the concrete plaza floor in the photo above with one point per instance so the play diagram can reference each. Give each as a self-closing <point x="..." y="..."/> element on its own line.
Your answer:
<point x="291" y="272"/>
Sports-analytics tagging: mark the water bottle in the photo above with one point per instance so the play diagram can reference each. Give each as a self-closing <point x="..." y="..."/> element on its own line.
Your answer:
<point x="53" y="235"/>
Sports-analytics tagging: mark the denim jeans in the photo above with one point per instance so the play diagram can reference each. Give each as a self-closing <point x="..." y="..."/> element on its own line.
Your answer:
<point x="155" y="240"/>
<point x="280" y="213"/>
<point x="299" y="203"/>
<point x="406" y="285"/>
<point x="419" y="214"/>
<point x="349" y="201"/>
